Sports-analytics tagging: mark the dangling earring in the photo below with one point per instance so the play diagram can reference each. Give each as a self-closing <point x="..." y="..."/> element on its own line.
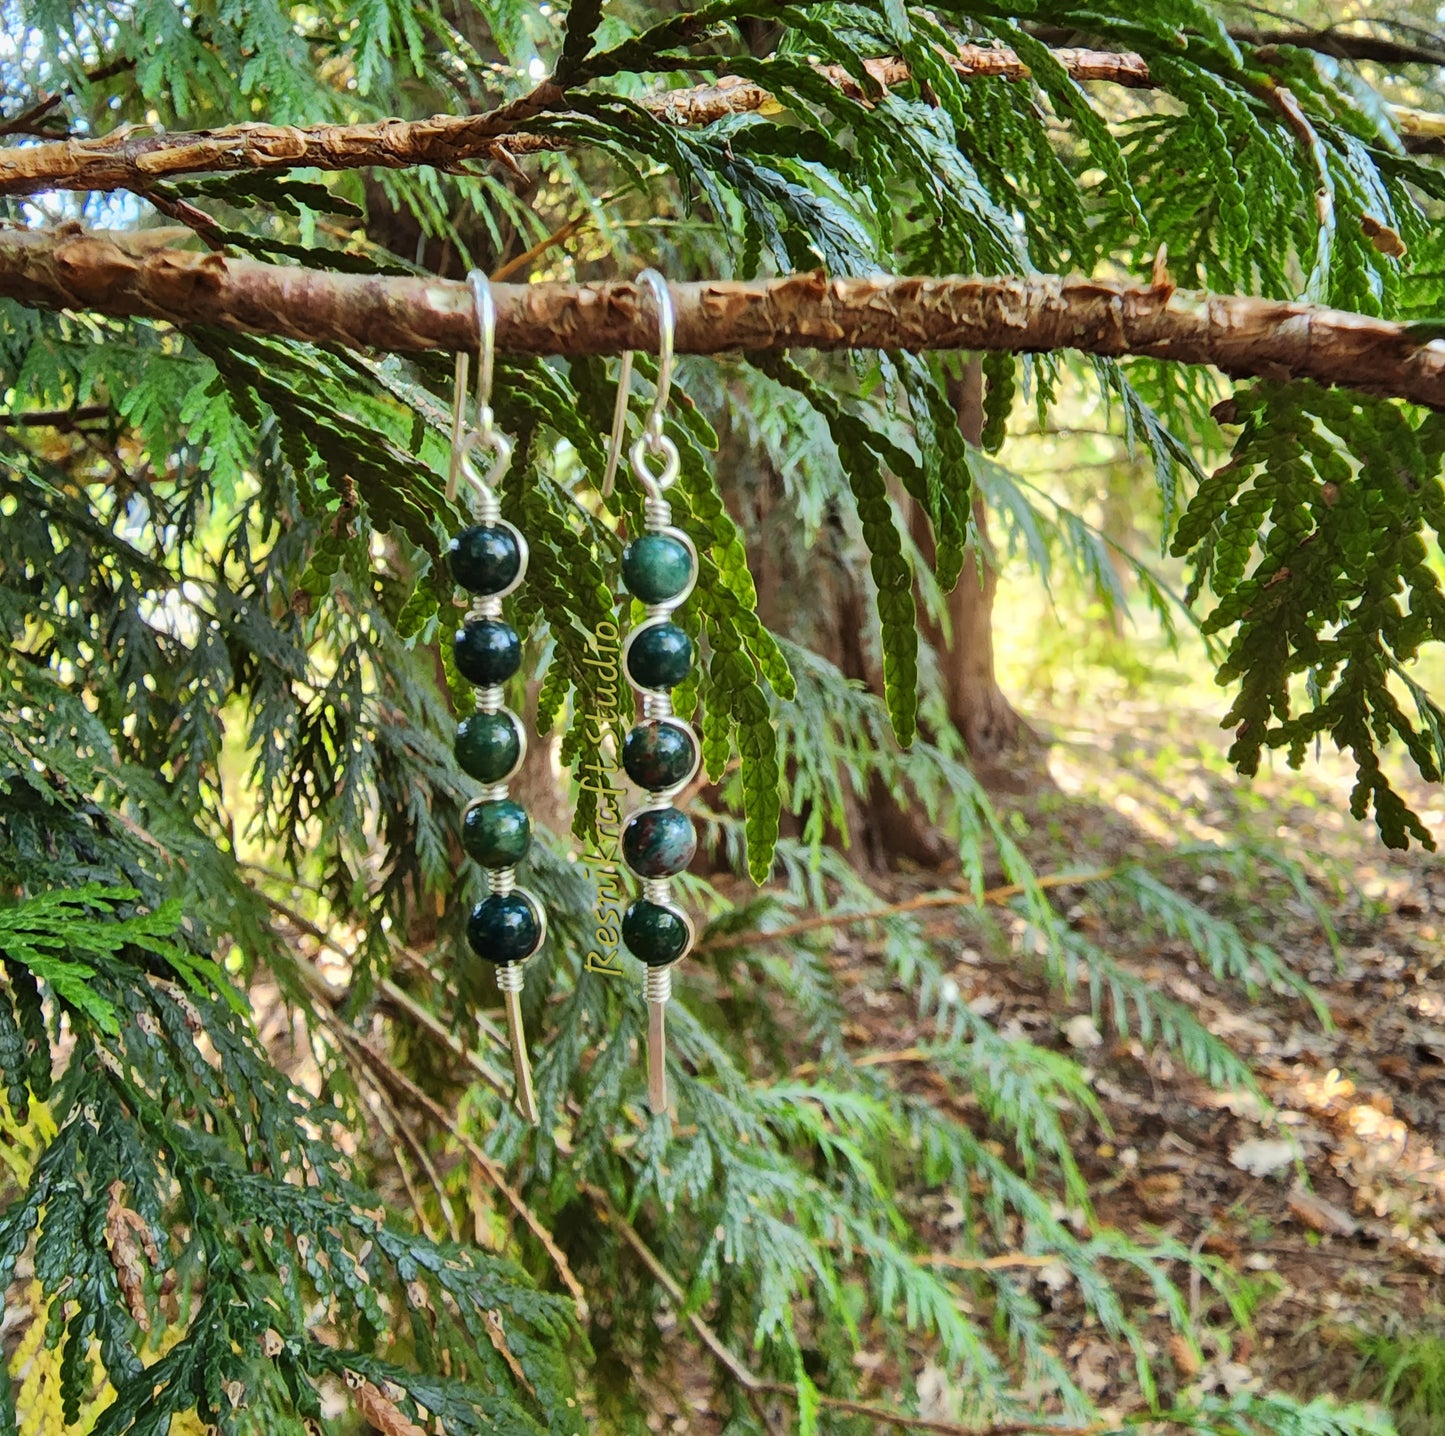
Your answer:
<point x="661" y="754"/>
<point x="489" y="560"/>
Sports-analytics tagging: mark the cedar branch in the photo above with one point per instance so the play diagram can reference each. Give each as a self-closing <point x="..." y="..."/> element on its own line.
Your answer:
<point x="137" y="159"/>
<point x="749" y="1380"/>
<point x="996" y="896"/>
<point x="1239" y="335"/>
<point x="1343" y="46"/>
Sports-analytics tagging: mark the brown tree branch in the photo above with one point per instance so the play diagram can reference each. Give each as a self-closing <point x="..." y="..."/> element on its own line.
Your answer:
<point x="922" y="903"/>
<point x="1342" y="46"/>
<point x="31" y="121"/>
<point x="137" y="159"/>
<point x="63" y="419"/>
<point x="1241" y="336"/>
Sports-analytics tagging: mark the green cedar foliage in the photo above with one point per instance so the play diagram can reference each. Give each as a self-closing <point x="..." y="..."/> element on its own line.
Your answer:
<point x="227" y="695"/>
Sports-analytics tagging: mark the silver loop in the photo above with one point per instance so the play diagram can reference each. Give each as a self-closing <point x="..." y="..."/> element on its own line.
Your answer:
<point x="655" y="484"/>
<point x="489" y="506"/>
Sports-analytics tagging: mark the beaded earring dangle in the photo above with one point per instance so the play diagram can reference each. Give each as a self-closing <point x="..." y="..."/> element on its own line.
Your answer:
<point x="489" y="559"/>
<point x="661" y="754"/>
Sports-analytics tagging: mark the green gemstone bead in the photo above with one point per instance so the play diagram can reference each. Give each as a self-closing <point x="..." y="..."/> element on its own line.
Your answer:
<point x="485" y="558"/>
<point x="488" y="746"/>
<point x="656" y="567"/>
<point x="487" y="651"/>
<point x="497" y="834"/>
<point x="654" y="934"/>
<point x="660" y="656"/>
<point x="658" y="755"/>
<point x="659" y="842"/>
<point x="504" y="928"/>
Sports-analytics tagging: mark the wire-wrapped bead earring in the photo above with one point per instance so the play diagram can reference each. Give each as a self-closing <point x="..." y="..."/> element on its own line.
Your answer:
<point x="489" y="560"/>
<point x="661" y="754"/>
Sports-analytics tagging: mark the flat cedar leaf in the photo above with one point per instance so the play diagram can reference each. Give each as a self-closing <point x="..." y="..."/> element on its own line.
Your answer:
<point x="741" y="647"/>
<point x="1074" y="103"/>
<point x="583" y="18"/>
<point x="892" y="576"/>
<point x="283" y="193"/>
<point x="70" y="983"/>
<point x="999" y="371"/>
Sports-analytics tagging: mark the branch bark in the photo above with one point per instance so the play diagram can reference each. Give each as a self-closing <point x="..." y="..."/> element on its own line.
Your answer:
<point x="1241" y="336"/>
<point x="137" y="160"/>
<point x="1342" y="46"/>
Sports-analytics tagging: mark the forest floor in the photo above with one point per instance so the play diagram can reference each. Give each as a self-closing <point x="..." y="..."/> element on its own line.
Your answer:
<point x="1327" y="1200"/>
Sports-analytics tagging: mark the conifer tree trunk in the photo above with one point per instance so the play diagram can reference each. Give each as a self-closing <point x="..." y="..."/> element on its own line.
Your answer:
<point x="835" y="620"/>
<point x="976" y="703"/>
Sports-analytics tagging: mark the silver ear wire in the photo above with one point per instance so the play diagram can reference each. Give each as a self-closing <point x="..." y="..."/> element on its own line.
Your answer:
<point x="492" y="930"/>
<point x="658" y="839"/>
<point x="486" y="312"/>
<point x="459" y="423"/>
<point x="652" y="430"/>
<point x="619" y="423"/>
<point x="666" y="333"/>
<point x="484" y="434"/>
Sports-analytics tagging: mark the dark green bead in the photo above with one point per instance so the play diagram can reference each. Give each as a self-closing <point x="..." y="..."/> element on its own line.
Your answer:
<point x="659" y="842"/>
<point x="654" y="934"/>
<point x="660" y="656"/>
<point x="485" y="558"/>
<point x="488" y="746"/>
<point x="656" y="567"/>
<point x="658" y="755"/>
<point x="487" y="651"/>
<point x="497" y="834"/>
<point x="504" y="929"/>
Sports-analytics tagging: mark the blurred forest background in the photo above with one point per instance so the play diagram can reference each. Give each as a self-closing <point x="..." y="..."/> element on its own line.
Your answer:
<point x="1053" y="1071"/>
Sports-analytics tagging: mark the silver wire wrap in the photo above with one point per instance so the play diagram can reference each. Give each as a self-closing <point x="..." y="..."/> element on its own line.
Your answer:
<point x="657" y="984"/>
<point x="654" y="447"/>
<point x="467" y="441"/>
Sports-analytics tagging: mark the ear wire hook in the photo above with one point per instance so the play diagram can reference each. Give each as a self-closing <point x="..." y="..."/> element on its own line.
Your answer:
<point x="652" y="435"/>
<point x="483" y="434"/>
<point x="459" y="420"/>
<point x="486" y="312"/>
